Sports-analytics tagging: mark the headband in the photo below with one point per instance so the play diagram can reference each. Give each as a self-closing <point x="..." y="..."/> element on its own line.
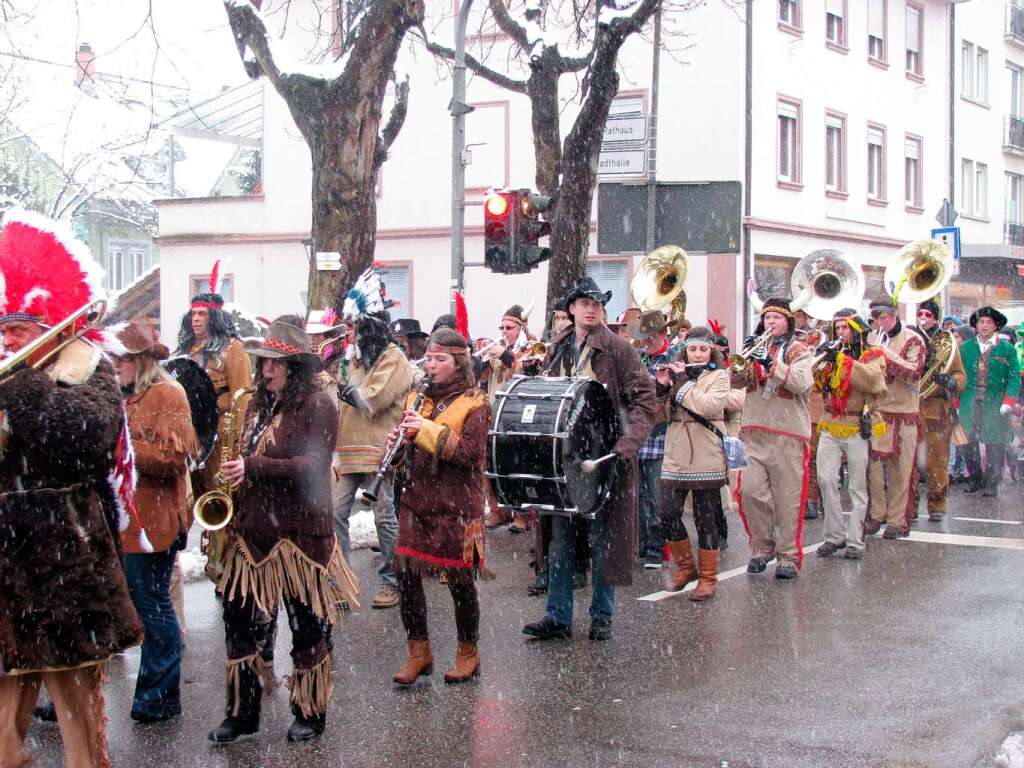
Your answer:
<point x="699" y="340"/>
<point x="513" y="318"/>
<point x="206" y="305"/>
<point x="23" y="317"/>
<point x="435" y="348"/>
<point x="779" y="310"/>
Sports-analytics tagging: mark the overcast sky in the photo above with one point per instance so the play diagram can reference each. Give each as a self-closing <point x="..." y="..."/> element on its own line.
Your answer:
<point x="185" y="42"/>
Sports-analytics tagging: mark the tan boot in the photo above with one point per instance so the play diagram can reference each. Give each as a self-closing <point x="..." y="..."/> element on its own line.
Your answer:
<point x="685" y="570"/>
<point x="466" y="666"/>
<point x="707" y="565"/>
<point x="419" y="663"/>
<point x="496" y="517"/>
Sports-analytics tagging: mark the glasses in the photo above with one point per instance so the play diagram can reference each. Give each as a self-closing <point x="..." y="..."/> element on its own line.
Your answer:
<point x="924" y="313"/>
<point x="508" y="327"/>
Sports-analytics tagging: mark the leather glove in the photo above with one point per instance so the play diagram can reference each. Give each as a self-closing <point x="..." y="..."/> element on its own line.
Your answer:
<point x="762" y="356"/>
<point x="944" y="380"/>
<point x="346" y="394"/>
<point x="1005" y="410"/>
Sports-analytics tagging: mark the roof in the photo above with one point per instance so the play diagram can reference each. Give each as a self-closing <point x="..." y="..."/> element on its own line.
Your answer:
<point x="140" y="299"/>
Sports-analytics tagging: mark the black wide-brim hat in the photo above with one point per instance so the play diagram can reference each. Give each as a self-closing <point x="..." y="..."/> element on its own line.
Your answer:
<point x="586" y="287"/>
<point x="991" y="312"/>
<point x="407" y="326"/>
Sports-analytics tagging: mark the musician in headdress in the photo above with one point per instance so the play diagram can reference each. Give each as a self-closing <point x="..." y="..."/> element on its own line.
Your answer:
<point x="990" y="395"/>
<point x="892" y="468"/>
<point x="208" y="336"/>
<point x="776" y="431"/>
<point x="65" y="493"/>
<point x="850" y="378"/>
<point x="938" y="398"/>
<point x="372" y="393"/>
<point x="589" y="349"/>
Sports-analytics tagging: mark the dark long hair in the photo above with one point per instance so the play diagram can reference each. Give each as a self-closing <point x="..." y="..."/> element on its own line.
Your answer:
<point x="299" y="386"/>
<point x="372" y="338"/>
<point x="220" y="330"/>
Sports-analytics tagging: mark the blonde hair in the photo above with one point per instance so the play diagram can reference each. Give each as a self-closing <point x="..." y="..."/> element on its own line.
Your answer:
<point x="147" y="371"/>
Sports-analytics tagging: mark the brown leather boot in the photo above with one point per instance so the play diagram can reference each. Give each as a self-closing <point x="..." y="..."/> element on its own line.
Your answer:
<point x="496" y="517"/>
<point x="419" y="663"/>
<point x="685" y="570"/>
<point x="466" y="666"/>
<point x="707" y="565"/>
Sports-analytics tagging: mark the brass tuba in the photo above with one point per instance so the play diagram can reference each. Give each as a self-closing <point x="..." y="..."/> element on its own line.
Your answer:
<point x="658" y="282"/>
<point x="918" y="271"/>
<point x="825" y="281"/>
<point x="943" y="347"/>
<point x="214" y="509"/>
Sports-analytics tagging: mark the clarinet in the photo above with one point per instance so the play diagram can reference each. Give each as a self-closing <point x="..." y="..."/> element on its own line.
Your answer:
<point x="372" y="490"/>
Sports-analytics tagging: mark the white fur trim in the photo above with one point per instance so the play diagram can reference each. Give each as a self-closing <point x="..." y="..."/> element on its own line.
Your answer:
<point x="75" y="364"/>
<point x="32" y="295"/>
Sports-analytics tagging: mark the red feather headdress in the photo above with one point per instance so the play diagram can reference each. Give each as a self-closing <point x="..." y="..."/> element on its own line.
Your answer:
<point x="461" y="316"/>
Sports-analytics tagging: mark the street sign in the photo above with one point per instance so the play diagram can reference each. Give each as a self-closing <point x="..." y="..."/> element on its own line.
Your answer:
<point x="622" y="162"/>
<point x="950" y="237"/>
<point x="631" y="129"/>
<point x="947" y="214"/>
<point x="328" y="261"/>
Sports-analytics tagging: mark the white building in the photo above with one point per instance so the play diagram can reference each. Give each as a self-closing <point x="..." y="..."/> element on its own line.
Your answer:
<point x="848" y="148"/>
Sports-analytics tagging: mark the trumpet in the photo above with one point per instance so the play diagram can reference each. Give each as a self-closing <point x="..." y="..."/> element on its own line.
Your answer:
<point x="740" y="361"/>
<point x="92" y="312"/>
<point x="536" y="349"/>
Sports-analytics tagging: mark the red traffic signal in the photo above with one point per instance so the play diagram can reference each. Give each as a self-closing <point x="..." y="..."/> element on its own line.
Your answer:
<point x="496" y="204"/>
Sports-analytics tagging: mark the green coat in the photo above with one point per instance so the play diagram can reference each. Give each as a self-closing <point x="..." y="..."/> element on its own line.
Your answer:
<point x="1002" y="385"/>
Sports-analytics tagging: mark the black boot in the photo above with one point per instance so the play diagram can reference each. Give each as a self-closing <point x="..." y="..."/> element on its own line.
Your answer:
<point x="306" y="728"/>
<point x="539" y="585"/>
<point x="269" y="640"/>
<point x="974" y="484"/>
<point x="579" y="579"/>
<point x="247" y="721"/>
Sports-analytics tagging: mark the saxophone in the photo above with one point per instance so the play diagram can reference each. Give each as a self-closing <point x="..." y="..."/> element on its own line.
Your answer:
<point x="215" y="509"/>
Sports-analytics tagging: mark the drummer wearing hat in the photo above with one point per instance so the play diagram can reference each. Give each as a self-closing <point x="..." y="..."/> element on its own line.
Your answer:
<point x="411" y="339"/>
<point x="588" y="348"/>
<point x="993" y="382"/>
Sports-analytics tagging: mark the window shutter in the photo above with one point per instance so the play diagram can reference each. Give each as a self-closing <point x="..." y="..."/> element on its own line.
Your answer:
<point x="876" y="18"/>
<point x="396" y="285"/>
<point x="913" y="30"/>
<point x="611" y="275"/>
<point x="912" y="149"/>
<point x="788" y="110"/>
<point x="875" y="136"/>
<point x="835" y="7"/>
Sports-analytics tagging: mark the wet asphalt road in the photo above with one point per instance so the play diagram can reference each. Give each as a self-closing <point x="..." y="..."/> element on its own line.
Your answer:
<point x="909" y="658"/>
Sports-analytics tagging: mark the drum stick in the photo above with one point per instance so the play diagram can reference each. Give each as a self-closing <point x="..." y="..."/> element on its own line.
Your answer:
<point x="590" y="465"/>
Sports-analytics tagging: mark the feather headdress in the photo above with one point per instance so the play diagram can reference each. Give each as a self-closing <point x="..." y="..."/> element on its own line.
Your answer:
<point x="366" y="297"/>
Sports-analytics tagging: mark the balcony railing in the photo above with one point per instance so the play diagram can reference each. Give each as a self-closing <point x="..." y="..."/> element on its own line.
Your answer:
<point x="1013" y="133"/>
<point x="1015" y="22"/>
<point x="1013" y="234"/>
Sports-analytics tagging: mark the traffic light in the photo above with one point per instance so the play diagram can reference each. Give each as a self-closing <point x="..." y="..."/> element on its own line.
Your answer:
<point x="499" y="231"/>
<point x="530" y="229"/>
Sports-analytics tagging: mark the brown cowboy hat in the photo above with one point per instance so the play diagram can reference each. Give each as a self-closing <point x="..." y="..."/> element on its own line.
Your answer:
<point x="648" y="324"/>
<point x="283" y="341"/>
<point x="140" y="336"/>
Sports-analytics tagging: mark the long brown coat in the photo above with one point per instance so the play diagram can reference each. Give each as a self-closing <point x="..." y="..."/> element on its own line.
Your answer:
<point x="160" y="423"/>
<point x="617" y="366"/>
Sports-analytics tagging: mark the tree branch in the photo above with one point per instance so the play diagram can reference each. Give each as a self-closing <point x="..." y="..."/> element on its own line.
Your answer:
<point x="508" y="25"/>
<point x="476" y="66"/>
<point x="394" y="124"/>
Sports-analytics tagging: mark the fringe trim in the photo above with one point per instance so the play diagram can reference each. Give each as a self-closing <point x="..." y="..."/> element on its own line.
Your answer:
<point x="311" y="689"/>
<point x="288" y="571"/>
<point x="234" y="680"/>
<point x="840" y="431"/>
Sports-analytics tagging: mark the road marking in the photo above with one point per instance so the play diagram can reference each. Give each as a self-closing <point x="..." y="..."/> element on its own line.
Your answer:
<point x="664" y="595"/>
<point x="966" y="541"/>
<point x="988" y="520"/>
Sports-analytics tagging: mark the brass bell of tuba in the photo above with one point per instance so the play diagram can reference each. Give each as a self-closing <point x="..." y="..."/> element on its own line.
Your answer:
<point x="825" y="281"/>
<point x="942" y="349"/>
<point x="658" y="282"/>
<point x="918" y="271"/>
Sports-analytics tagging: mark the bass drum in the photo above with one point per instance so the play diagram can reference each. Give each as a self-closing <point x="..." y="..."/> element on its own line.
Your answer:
<point x="202" y="401"/>
<point x="542" y="431"/>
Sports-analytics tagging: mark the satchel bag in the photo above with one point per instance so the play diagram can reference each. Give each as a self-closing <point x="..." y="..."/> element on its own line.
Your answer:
<point x="733" y="448"/>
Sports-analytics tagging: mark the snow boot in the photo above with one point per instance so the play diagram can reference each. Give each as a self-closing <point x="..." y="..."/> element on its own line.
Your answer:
<point x="419" y="663"/>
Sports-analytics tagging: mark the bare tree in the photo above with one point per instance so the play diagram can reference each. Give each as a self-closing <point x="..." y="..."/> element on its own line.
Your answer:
<point x="567" y="170"/>
<point x="340" y="118"/>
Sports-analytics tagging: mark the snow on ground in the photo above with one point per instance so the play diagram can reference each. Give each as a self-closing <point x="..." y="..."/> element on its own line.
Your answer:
<point x="362" y="533"/>
<point x="1011" y="753"/>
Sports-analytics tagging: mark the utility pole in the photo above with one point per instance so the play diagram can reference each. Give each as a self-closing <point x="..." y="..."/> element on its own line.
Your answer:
<point x="459" y="109"/>
<point x="652" y="152"/>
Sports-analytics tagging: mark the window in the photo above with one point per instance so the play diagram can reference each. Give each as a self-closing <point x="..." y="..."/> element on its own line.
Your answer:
<point x="915" y="19"/>
<point x="835" y="152"/>
<point x="876" y="163"/>
<point x="974" y="72"/>
<point x="789" y="142"/>
<point x="125" y="262"/>
<point x="789" y="13"/>
<point x="611" y="275"/>
<point x="912" y="171"/>
<point x="397" y="288"/>
<point x="201" y="284"/>
<point x="876" y="30"/>
<point x="974" y="188"/>
<point x="835" y="22"/>
<point x="1013" y="79"/>
<point x="1014" y="214"/>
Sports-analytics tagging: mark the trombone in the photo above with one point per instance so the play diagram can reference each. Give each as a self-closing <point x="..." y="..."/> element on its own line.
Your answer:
<point x="92" y="312"/>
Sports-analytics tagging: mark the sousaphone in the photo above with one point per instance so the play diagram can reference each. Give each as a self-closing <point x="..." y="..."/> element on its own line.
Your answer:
<point x="658" y="282"/>
<point x="825" y="281"/>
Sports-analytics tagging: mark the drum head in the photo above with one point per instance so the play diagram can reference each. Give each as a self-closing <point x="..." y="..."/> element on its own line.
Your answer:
<point x="592" y="428"/>
<point x="202" y="400"/>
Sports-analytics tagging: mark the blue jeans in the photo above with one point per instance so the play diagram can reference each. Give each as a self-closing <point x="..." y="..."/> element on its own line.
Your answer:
<point x="562" y="566"/>
<point x="651" y="538"/>
<point x="157" y="690"/>
<point x="384" y="517"/>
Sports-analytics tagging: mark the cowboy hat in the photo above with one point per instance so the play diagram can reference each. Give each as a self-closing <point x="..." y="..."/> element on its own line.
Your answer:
<point x="283" y="342"/>
<point x="140" y="336"/>
<point x="647" y="325"/>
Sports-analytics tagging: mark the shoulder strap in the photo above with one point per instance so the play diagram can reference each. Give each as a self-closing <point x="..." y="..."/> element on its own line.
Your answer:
<point x="704" y="422"/>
